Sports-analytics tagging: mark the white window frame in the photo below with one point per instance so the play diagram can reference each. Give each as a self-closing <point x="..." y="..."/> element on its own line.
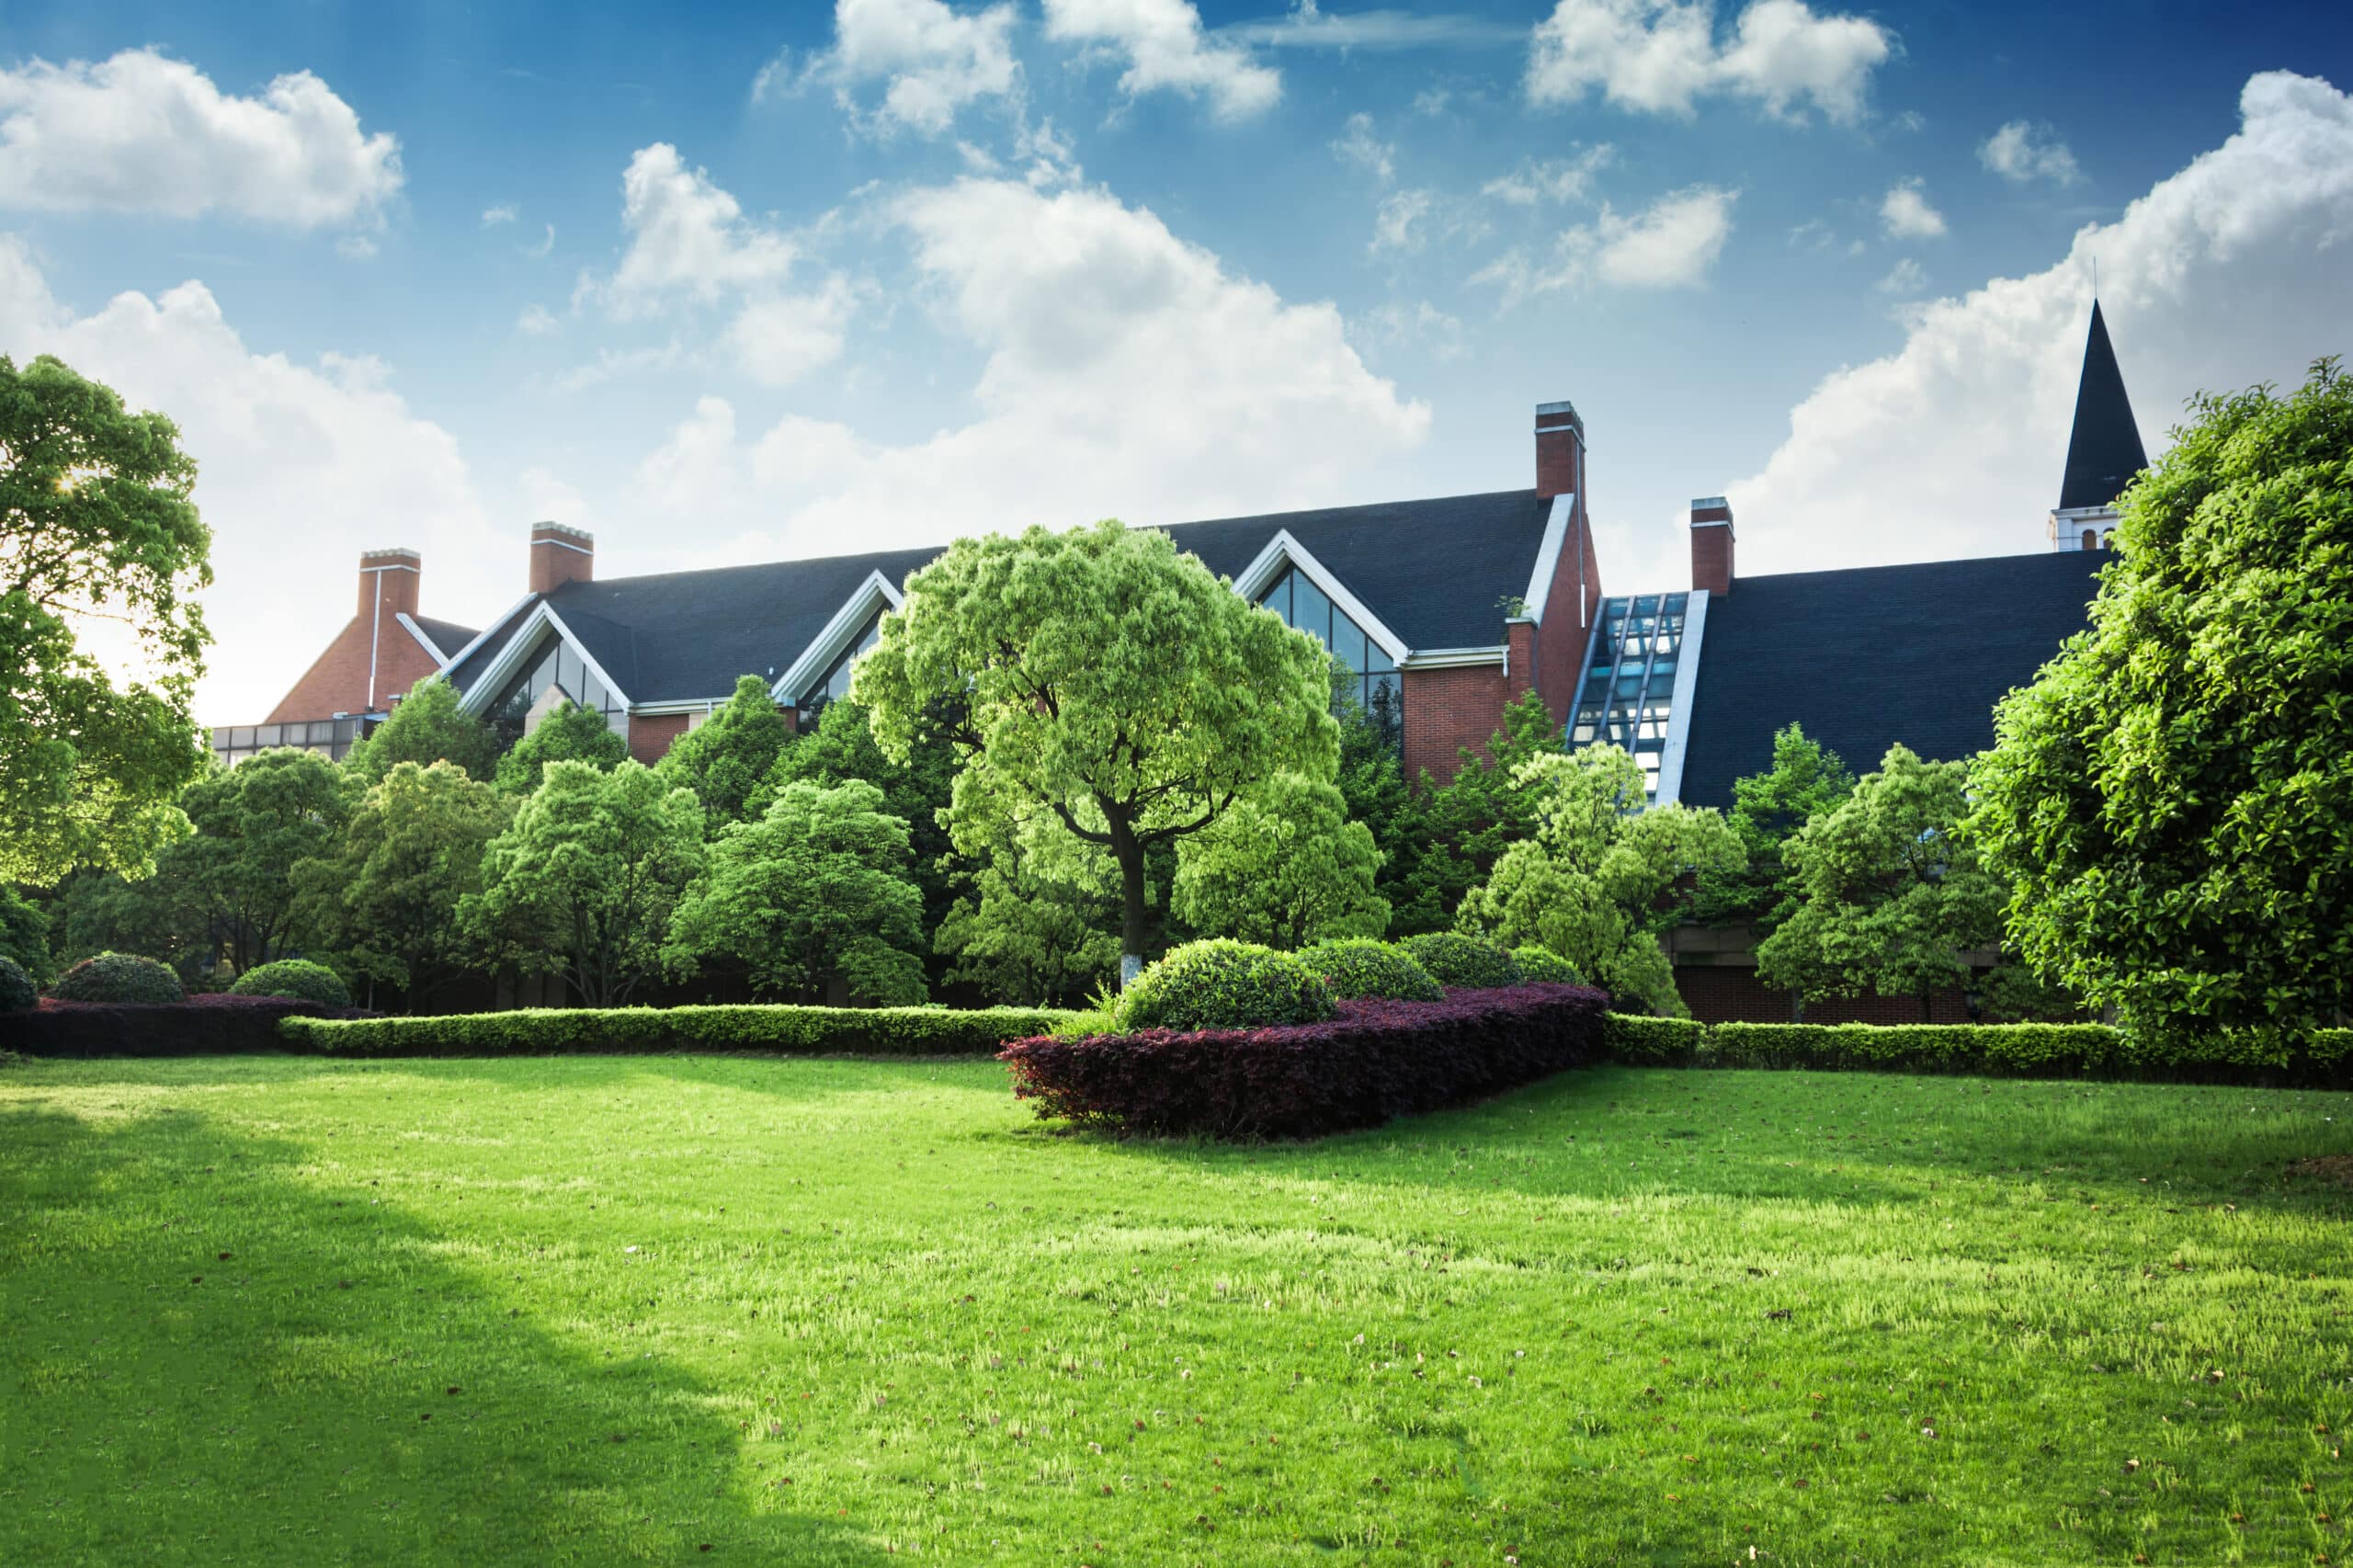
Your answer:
<point x="1284" y="551"/>
<point x="877" y="593"/>
<point x="503" y="668"/>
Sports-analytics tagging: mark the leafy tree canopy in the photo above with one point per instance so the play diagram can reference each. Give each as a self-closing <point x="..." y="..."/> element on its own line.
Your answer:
<point x="1891" y="895"/>
<point x="1283" y="867"/>
<point x="724" y="758"/>
<point x="255" y="825"/>
<point x="1767" y="807"/>
<point x="2172" y="797"/>
<point x="25" y="935"/>
<point x="817" y="887"/>
<point x="1040" y="924"/>
<point x="1595" y="881"/>
<point x="1450" y="839"/>
<point x="567" y="733"/>
<point x="918" y="790"/>
<point x="1102" y="675"/>
<point x="101" y="554"/>
<point x="425" y="727"/>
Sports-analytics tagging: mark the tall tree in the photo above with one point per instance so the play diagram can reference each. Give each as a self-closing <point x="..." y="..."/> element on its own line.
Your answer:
<point x="1596" y="881"/>
<point x="255" y="825"/>
<point x="1107" y="677"/>
<point x="917" y="789"/>
<point x="724" y="758"/>
<point x="2173" y="796"/>
<point x="1767" y="808"/>
<point x="25" y="935"/>
<point x="425" y="727"/>
<point x="1372" y="784"/>
<point x="1893" y="897"/>
<point x="1284" y="867"/>
<point x="583" y="882"/>
<point x="101" y="554"/>
<point x="567" y="733"/>
<point x="816" y="889"/>
<point x="1449" y="840"/>
<point x="385" y="897"/>
<point x="1038" y="922"/>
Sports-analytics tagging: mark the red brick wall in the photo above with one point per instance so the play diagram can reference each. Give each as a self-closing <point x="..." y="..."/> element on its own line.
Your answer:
<point x="1520" y="668"/>
<point x="1712" y="558"/>
<point x="1447" y="709"/>
<point x="1560" y="459"/>
<point x="1561" y="640"/>
<point x="338" y="681"/>
<point x="650" y="734"/>
<point x="1728" y="994"/>
<point x="560" y="555"/>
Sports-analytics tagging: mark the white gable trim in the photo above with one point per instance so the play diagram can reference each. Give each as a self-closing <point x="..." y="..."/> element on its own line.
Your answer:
<point x="440" y="659"/>
<point x="1679" y="707"/>
<point x="454" y="660"/>
<point x="510" y="659"/>
<point x="1547" y="555"/>
<point x="1283" y="549"/>
<point x="877" y="591"/>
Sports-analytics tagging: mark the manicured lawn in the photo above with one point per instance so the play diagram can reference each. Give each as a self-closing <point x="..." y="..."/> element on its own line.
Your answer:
<point x="685" y="1310"/>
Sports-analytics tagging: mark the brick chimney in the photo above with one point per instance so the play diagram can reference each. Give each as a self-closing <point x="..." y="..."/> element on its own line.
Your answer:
<point x="1711" y="544"/>
<point x="388" y="583"/>
<point x="1559" y="450"/>
<point x="561" y="556"/>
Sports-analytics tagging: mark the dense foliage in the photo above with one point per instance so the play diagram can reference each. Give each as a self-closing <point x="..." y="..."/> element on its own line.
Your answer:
<point x="916" y="789"/>
<point x="1222" y="984"/>
<point x="1767" y="808"/>
<point x="1455" y="960"/>
<point x="17" y="992"/>
<point x="216" y="1025"/>
<point x="427" y="726"/>
<point x="1542" y="966"/>
<point x="2173" y="798"/>
<point x="1283" y="867"/>
<point x="97" y="527"/>
<point x="25" y="935"/>
<point x="1040" y="923"/>
<point x="294" y="977"/>
<point x="725" y="758"/>
<point x="566" y="733"/>
<point x="118" y="977"/>
<point x="1448" y="837"/>
<point x="1359" y="967"/>
<point x="255" y="825"/>
<point x="843" y="1031"/>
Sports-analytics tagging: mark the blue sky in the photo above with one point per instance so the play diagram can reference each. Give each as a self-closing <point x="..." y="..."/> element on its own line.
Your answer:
<point x="734" y="283"/>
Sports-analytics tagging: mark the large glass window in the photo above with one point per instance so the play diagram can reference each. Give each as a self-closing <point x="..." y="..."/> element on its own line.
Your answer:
<point x="1372" y="680"/>
<point x="552" y="664"/>
<point x="834" y="685"/>
<point x="232" y="745"/>
<point x="1626" y="696"/>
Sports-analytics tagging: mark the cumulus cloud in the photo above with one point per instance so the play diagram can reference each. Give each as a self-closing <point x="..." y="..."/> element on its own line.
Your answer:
<point x="2023" y="151"/>
<point x="2230" y="272"/>
<point x="1550" y="179"/>
<point x="1904" y="212"/>
<point x="141" y="132"/>
<point x="1126" y="373"/>
<point x="1670" y="243"/>
<point x="1358" y="145"/>
<point x="1163" y="47"/>
<point x="300" y="468"/>
<point x="1661" y="56"/>
<point x="932" y="60"/>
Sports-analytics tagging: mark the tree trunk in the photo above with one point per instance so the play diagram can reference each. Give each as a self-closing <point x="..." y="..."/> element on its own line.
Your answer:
<point x="1134" y="917"/>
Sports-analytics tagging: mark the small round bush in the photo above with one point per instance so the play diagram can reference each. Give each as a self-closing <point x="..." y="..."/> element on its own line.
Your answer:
<point x="18" y="992"/>
<point x="1221" y="984"/>
<point x="1456" y="961"/>
<point x="118" y="977"/>
<point x="1542" y="966"/>
<point x="1361" y="967"/>
<point x="298" y="978"/>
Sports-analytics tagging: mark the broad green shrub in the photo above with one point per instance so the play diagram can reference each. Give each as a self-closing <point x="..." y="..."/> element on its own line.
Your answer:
<point x="580" y="1031"/>
<point x="1221" y="984"/>
<point x="1361" y="967"/>
<point x="293" y="977"/>
<point x="120" y="977"/>
<point x="1655" y="1042"/>
<point x="18" y="992"/>
<point x="1455" y="961"/>
<point x="1542" y="966"/>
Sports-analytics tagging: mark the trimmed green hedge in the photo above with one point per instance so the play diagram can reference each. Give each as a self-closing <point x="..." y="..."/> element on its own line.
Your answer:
<point x="579" y="1032"/>
<point x="2324" y="1059"/>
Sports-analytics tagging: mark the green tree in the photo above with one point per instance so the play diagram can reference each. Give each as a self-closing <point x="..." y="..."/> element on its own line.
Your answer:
<point x="724" y="758"/>
<point x="160" y="916"/>
<point x="25" y="935"/>
<point x="816" y="888"/>
<point x="918" y="790"/>
<point x="98" y="539"/>
<point x="1597" y="882"/>
<point x="1283" y="867"/>
<point x="1100" y="674"/>
<point x="2172" y="797"/>
<point x="1767" y="808"/>
<point x="567" y="733"/>
<point x="425" y="727"/>
<point x="255" y="825"/>
<point x="583" y="882"/>
<point x="385" y="898"/>
<point x="1038" y="922"/>
<point x="1892" y="896"/>
<point x="1372" y="782"/>
<point x="1449" y="840"/>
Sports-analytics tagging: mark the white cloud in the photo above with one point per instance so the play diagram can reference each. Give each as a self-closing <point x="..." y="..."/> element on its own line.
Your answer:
<point x="355" y="247"/>
<point x="1396" y="224"/>
<point x="1906" y="278"/>
<point x="1659" y="56"/>
<point x="1422" y="324"/>
<point x="1308" y="26"/>
<point x="300" y="468"/>
<point x="501" y="213"/>
<point x="1904" y="212"/>
<point x="1361" y="147"/>
<point x="1126" y="373"/>
<point x="2023" y="151"/>
<point x="689" y="236"/>
<point x="537" y="321"/>
<point x="777" y="339"/>
<point x="1164" y="48"/>
<point x="140" y="133"/>
<point x="935" y="60"/>
<point x="2230" y="272"/>
<point x="546" y="244"/>
<point x="1671" y="244"/>
<point x="1550" y="179"/>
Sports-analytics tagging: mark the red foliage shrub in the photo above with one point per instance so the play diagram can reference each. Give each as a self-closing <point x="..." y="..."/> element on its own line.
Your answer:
<point x="201" y="1026"/>
<point x="1376" y="1060"/>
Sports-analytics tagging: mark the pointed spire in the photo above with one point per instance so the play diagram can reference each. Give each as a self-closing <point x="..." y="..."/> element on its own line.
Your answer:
<point x="2104" y="452"/>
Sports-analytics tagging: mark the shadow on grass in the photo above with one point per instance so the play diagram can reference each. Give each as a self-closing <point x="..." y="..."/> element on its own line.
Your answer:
<point x="209" y="1360"/>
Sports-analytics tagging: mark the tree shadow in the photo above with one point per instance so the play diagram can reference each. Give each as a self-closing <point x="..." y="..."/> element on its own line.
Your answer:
<point x="211" y="1358"/>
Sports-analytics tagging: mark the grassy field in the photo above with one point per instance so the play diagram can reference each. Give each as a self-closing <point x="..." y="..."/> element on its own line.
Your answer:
<point x="682" y="1310"/>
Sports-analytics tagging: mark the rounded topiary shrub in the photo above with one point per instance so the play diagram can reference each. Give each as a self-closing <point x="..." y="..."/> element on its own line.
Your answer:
<point x="1542" y="966"/>
<point x="1221" y="984"/>
<point x="1361" y="967"/>
<point x="118" y="977"/>
<point x="18" y="992"/>
<point x="1458" y="961"/>
<point x="293" y="977"/>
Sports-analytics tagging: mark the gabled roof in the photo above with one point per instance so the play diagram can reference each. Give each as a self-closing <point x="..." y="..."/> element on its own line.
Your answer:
<point x="448" y="637"/>
<point x="1871" y="656"/>
<point x="1433" y="571"/>
<point x="2104" y="451"/>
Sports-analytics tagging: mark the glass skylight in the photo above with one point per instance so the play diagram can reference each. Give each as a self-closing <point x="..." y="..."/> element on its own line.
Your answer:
<point x="1628" y="694"/>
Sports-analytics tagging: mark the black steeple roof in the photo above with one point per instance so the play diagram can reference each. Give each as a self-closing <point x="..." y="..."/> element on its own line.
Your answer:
<point x="2104" y="452"/>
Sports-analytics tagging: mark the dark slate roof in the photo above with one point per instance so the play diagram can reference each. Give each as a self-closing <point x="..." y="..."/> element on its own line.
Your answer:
<point x="683" y="635"/>
<point x="448" y="635"/>
<point x="1869" y="656"/>
<point x="2104" y="449"/>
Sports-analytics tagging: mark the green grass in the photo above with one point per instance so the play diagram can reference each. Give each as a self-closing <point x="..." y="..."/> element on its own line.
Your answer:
<point x="619" y="1310"/>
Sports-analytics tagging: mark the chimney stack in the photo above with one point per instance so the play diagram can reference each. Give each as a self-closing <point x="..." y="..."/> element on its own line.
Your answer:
<point x="388" y="583"/>
<point x="1560" y="451"/>
<point x="1711" y="544"/>
<point x="561" y="554"/>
